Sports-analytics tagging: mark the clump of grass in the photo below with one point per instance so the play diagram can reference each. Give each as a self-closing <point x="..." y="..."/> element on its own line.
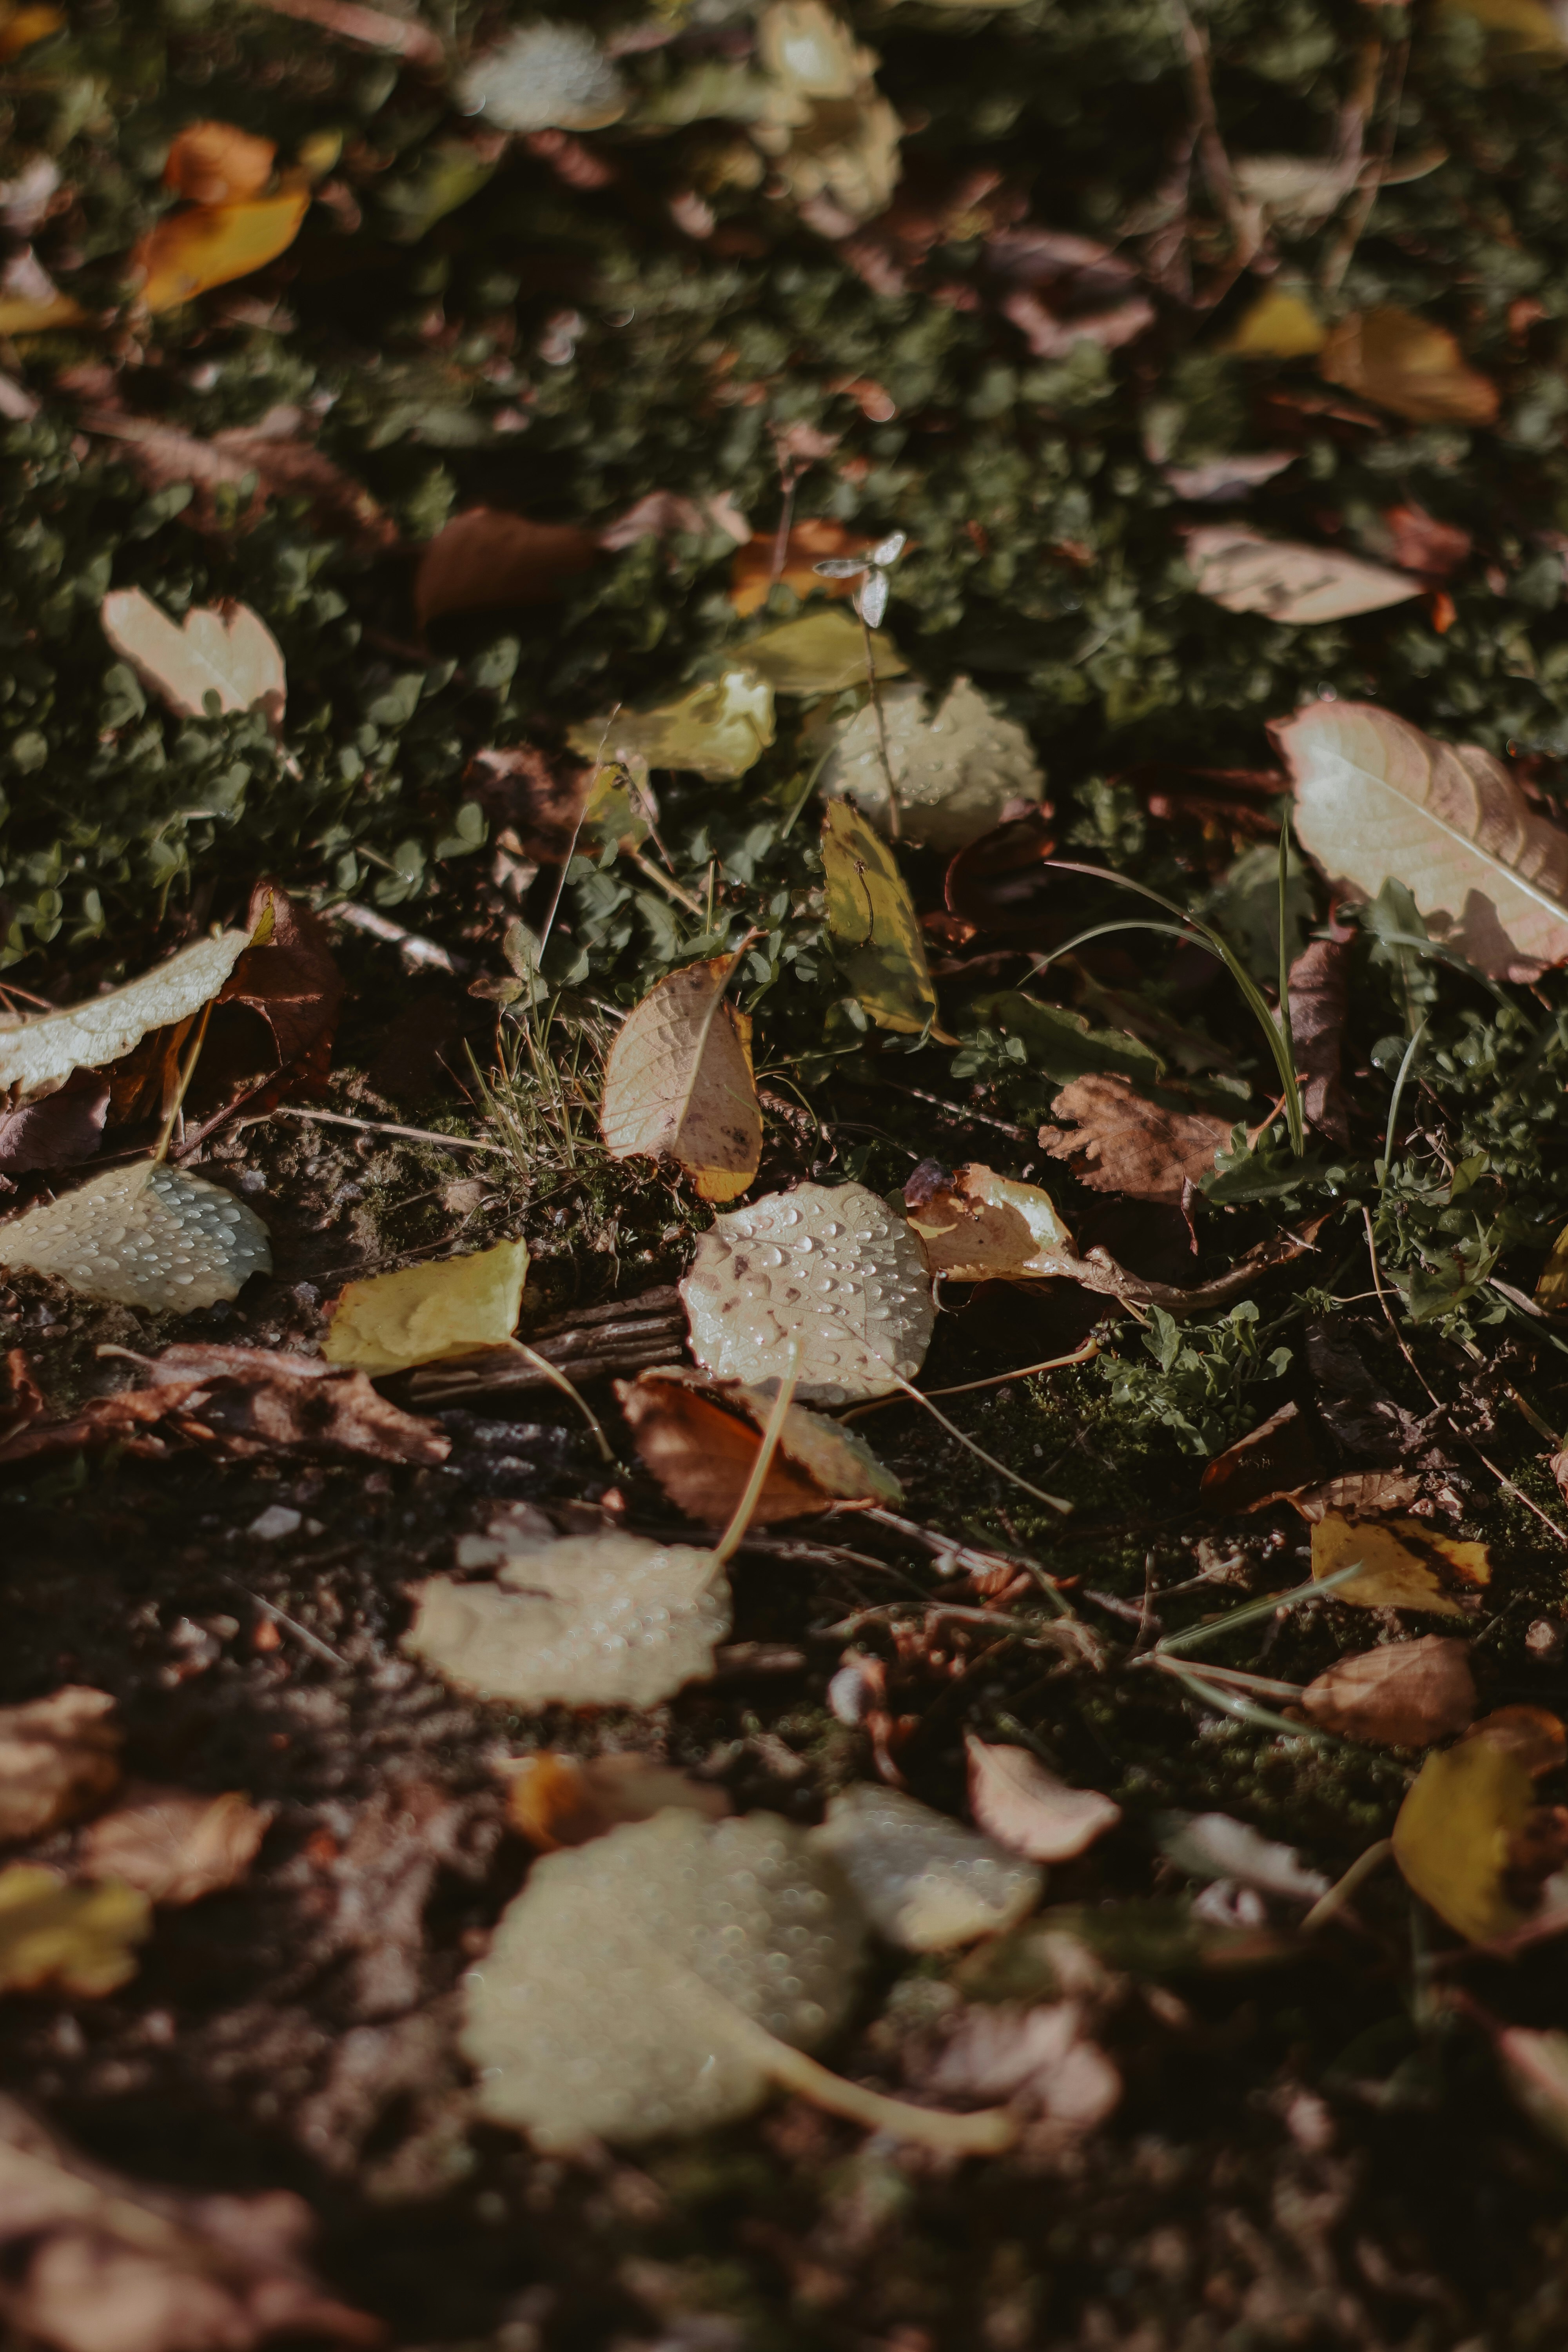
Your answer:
<point x="541" y="1092"/>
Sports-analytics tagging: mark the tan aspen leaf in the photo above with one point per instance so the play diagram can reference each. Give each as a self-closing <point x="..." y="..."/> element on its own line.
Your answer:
<point x="1281" y="325"/>
<point x="872" y="923"/>
<point x="485" y="557"/>
<point x="955" y="770"/>
<point x="210" y="245"/>
<point x="424" y="1312"/>
<point x="1551" y="1289"/>
<point x="751" y="566"/>
<point x="825" y="1278"/>
<point x="1121" y="1143"/>
<point x="82" y="1938"/>
<point x="58" y="1757"/>
<point x="38" y="1051"/>
<point x="1402" y="1563"/>
<point x="1456" y="1831"/>
<point x="557" y="1800"/>
<point x="1376" y="798"/>
<point x="719" y="730"/>
<point x="173" y="1845"/>
<point x="821" y="653"/>
<point x="925" y="1883"/>
<point x="1404" y="1695"/>
<point x="225" y="649"/>
<point x="1287" y="580"/>
<point x="146" y="1235"/>
<point x="678" y="1084"/>
<point x="701" y="1439"/>
<point x="218" y="164"/>
<point x="1025" y="1807"/>
<point x="977" y="1226"/>
<point x="1216" y="1845"/>
<point x="1408" y="364"/>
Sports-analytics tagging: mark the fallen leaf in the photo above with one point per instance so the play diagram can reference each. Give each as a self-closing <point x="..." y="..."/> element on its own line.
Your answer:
<point x="1026" y="1809"/>
<point x="1418" y="542"/>
<point x="537" y="796"/>
<point x="144" y="1235"/>
<point x="678" y="1084"/>
<point x="58" y="1131"/>
<point x="926" y="1882"/>
<point x="287" y="976"/>
<point x="544" y="75"/>
<point x="1275" y="1460"/>
<point x="1533" y="1734"/>
<point x="218" y="164"/>
<point x="1281" y="325"/>
<point x="955" y="770"/>
<point x="1551" y="1289"/>
<point x="1375" y="797"/>
<point x="21" y="25"/>
<point x="210" y="245"/>
<point x="1120" y="1143"/>
<point x="1536" y="2065"/>
<point x="822" y="653"/>
<point x="251" y="1401"/>
<point x="663" y="514"/>
<point x="1402" y="1563"/>
<point x="832" y="137"/>
<point x="718" y="731"/>
<point x="424" y="1312"/>
<point x="1320" y="985"/>
<point x="557" y="1800"/>
<point x="1403" y="1695"/>
<point x="1408" y="364"/>
<point x="59" y="1755"/>
<point x="1515" y="28"/>
<point x="1217" y="479"/>
<point x="976" y="1226"/>
<point x="701" y="1438"/>
<point x="175" y="1846"/>
<point x="873" y="925"/>
<point x="1290" y="583"/>
<point x="1039" y="2059"/>
<point x="82" y="1938"/>
<point x="224" y="650"/>
<point x="810" y="543"/>
<point x="38" y="1051"/>
<point x="1213" y="1846"/>
<point x="275" y="455"/>
<point x="589" y="1621"/>
<point x="485" y="557"/>
<point x="829" y="1270"/>
<point x="1360" y="1494"/>
<point x="1454" y="1835"/>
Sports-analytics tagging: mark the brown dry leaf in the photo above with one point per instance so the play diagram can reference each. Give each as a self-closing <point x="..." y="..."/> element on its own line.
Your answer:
<point x="537" y="796"/>
<point x="287" y="976"/>
<point x="58" y="1131"/>
<point x="1533" y="1734"/>
<point x="225" y="649"/>
<point x="142" y="1235"/>
<point x="58" y="1757"/>
<point x="95" y="2263"/>
<point x="218" y="164"/>
<point x="1120" y="1143"/>
<point x="274" y="453"/>
<point x="424" y="1312"/>
<point x="1025" y="1807"/>
<point x="210" y="245"/>
<point x="1320" y="981"/>
<point x="1247" y="573"/>
<point x="977" y="1226"/>
<point x="38" y="1051"/>
<point x="175" y="1846"/>
<point x="678" y="1084"/>
<point x="1408" y="364"/>
<point x="252" y="1402"/>
<point x="1418" y="542"/>
<point x="1456" y="1833"/>
<point x="1376" y="797"/>
<point x="1359" y="1494"/>
<point x="487" y="557"/>
<point x="1275" y="1460"/>
<point x="926" y="1882"/>
<point x="811" y="543"/>
<point x="1039" y="2059"/>
<point x="1403" y="1563"/>
<point x="557" y="1800"/>
<point x="701" y="1439"/>
<point x="82" y="1938"/>
<point x="1404" y="1694"/>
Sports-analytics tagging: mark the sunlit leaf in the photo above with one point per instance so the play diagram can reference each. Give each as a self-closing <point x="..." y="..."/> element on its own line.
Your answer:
<point x="873" y="924"/>
<point x="1403" y="1563"/>
<point x="210" y="245"/>
<point x="977" y="1226"/>
<point x="142" y="1235"/>
<point x="223" y="649"/>
<point x="822" y="653"/>
<point x="38" y="1051"/>
<point x="1403" y="1694"/>
<point x="1409" y="364"/>
<point x="701" y="1440"/>
<point x="678" y="1084"/>
<point x="926" y="1882"/>
<point x="1281" y="325"/>
<point x="218" y="164"/>
<point x="1454" y="1835"/>
<point x="425" y="1312"/>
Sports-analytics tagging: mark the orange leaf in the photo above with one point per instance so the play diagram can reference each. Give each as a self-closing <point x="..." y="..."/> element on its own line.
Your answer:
<point x="487" y="556"/>
<point x="21" y="317"/>
<point x="218" y="164"/>
<point x="556" y="1801"/>
<point x="20" y="27"/>
<point x="812" y="541"/>
<point x="210" y="244"/>
<point x="1408" y="364"/>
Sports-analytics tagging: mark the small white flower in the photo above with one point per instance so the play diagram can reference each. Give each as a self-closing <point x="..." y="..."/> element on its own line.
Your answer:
<point x="871" y="599"/>
<point x="546" y="76"/>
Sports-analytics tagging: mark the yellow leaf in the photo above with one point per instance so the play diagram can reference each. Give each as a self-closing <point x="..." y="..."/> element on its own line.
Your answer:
<point x="208" y="245"/>
<point x="79" y="1937"/>
<point x="1517" y="29"/>
<point x="678" y="1083"/>
<point x="426" y="1312"/>
<point x="717" y="731"/>
<point x="1397" y="1558"/>
<point x="20" y="27"/>
<point x="1455" y="1831"/>
<point x="822" y="653"/>
<point x="218" y="164"/>
<point x="872" y="921"/>
<point x="978" y="1227"/>
<point x="1280" y="325"/>
<point x="25" y="317"/>
<point x="1408" y="364"/>
<point x="1552" y="1290"/>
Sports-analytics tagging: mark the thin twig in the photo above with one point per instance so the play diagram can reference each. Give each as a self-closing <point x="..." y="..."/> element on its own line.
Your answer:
<point x="385" y="1127"/>
<point x="1339" y="1894"/>
<point x="1371" y="178"/>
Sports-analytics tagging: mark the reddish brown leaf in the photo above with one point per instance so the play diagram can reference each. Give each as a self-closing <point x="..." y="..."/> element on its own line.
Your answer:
<point x="1416" y="542"/>
<point x="276" y="453"/>
<point x="1017" y="1801"/>
<point x="1404" y="1694"/>
<point x="1000" y="884"/>
<point x="1274" y="1460"/>
<point x="58" y="1757"/>
<point x="291" y="980"/>
<point x="173" y="1845"/>
<point x="217" y="164"/>
<point x="487" y="556"/>
<point x="810" y="543"/>
<point x="1320" y="981"/>
<point x="538" y="796"/>
<point x="58" y="1130"/>
<point x="251" y="1400"/>
<point x="1120" y="1143"/>
<point x="701" y="1438"/>
<point x="1363" y="1493"/>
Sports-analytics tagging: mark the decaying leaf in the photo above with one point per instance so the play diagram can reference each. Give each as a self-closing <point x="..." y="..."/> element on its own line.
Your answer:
<point x="485" y="557"/>
<point x="224" y="649"/>
<point x="205" y="245"/>
<point x="1039" y="2059"/>
<point x="82" y="1938"/>
<point x="57" y="1131"/>
<point x="59" y="1755"/>
<point x="810" y="543"/>
<point x="175" y="1846"/>
<point x="1301" y="585"/>
<point x="557" y="1800"/>
<point x="1362" y="1494"/>
<point x="678" y="1084"/>
<point x="1404" y="1695"/>
<point x="1376" y="797"/>
<point x="144" y="1235"/>
<point x="1320" y="982"/>
<point x="719" y="730"/>
<point x="822" y="653"/>
<point x="925" y="1883"/>
<point x="1214" y="481"/>
<point x="977" y="1226"/>
<point x="1403" y="1563"/>
<point x="829" y="1270"/>
<point x="1213" y="1846"/>
<point x="1277" y="1459"/>
<point x="1536" y="2065"/>
<point x="1456" y="1832"/>
<point x="872" y="923"/>
<point x="424" y="1312"/>
<point x="1408" y="364"/>
<point x="218" y="164"/>
<point x="1024" y="1806"/>
<point x="287" y="976"/>
<point x="590" y="1620"/>
<point x="701" y="1439"/>
<point x="38" y="1051"/>
<point x="832" y="137"/>
<point x="957" y="770"/>
<point x="1120" y="1143"/>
